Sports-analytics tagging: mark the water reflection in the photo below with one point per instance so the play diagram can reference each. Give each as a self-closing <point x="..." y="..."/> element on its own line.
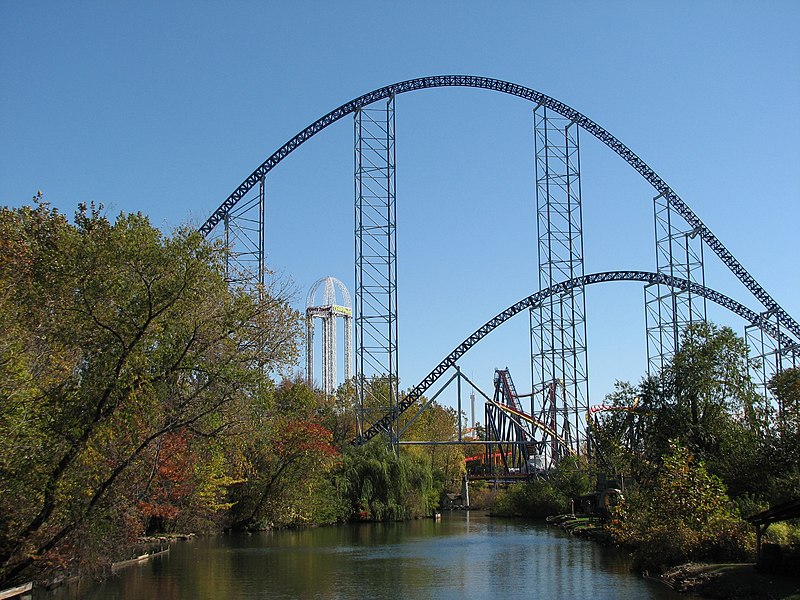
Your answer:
<point x="461" y="556"/>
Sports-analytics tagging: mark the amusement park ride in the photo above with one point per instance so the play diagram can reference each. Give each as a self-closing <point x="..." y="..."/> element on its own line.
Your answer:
<point x="527" y="433"/>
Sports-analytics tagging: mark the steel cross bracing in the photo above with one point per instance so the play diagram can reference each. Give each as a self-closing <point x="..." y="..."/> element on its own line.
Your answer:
<point x="558" y="332"/>
<point x="375" y="264"/>
<point x="679" y="253"/>
<point x="769" y="357"/>
<point x="647" y="277"/>
<point x="537" y="98"/>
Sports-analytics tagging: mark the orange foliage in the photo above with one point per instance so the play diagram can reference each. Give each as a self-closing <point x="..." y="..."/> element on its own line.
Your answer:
<point x="173" y="481"/>
<point x="305" y="437"/>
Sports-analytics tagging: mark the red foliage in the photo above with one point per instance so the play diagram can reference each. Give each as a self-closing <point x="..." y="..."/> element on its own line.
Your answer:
<point x="173" y="480"/>
<point x="305" y="437"/>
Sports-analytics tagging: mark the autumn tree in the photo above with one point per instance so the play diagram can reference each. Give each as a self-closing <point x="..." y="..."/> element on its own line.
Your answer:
<point x="437" y="423"/>
<point x="115" y="338"/>
<point x="285" y="459"/>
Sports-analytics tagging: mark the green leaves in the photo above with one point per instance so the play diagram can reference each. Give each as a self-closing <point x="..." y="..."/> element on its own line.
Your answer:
<point x="685" y="515"/>
<point x="382" y="485"/>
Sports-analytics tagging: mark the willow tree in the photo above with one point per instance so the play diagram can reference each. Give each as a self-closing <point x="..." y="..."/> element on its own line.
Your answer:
<point x="113" y="338"/>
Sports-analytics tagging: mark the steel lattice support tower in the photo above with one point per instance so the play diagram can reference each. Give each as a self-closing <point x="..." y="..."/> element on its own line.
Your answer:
<point x="244" y="238"/>
<point x="769" y="355"/>
<point x="328" y="311"/>
<point x="558" y="324"/>
<point x="679" y="253"/>
<point x="375" y="265"/>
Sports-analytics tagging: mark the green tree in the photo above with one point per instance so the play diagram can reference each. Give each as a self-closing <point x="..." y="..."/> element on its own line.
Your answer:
<point x="570" y="477"/>
<point x="380" y="484"/>
<point x="615" y="432"/>
<point x="785" y="386"/>
<point x="706" y="400"/>
<point x="782" y="453"/>
<point x="709" y="378"/>
<point x="114" y="337"/>
<point x="437" y="423"/>
<point x="535" y="499"/>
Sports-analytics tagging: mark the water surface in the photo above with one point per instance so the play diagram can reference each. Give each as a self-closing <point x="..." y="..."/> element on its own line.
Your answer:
<point x="465" y="555"/>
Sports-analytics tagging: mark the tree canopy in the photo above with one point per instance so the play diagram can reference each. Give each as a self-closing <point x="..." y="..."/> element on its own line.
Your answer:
<point x="119" y="347"/>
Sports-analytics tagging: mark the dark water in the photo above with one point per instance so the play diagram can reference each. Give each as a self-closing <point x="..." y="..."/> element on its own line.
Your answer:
<point x="461" y="556"/>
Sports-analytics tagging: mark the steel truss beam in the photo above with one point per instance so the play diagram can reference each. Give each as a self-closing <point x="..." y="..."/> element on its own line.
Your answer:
<point x="646" y="277"/>
<point x="375" y="264"/>
<point x="537" y="98"/>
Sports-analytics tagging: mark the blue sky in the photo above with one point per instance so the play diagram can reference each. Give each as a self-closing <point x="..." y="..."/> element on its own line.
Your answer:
<point x="165" y="108"/>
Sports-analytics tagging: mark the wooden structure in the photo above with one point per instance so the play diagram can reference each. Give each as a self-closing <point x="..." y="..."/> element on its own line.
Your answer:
<point x="781" y="512"/>
<point x="21" y="591"/>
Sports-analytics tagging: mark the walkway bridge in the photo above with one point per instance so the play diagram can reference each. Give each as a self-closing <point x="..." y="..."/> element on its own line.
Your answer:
<point x="675" y="291"/>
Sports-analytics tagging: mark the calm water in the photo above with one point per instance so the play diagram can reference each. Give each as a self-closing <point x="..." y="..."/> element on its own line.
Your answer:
<point x="461" y="556"/>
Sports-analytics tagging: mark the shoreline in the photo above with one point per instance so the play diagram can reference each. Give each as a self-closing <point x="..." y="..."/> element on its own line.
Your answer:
<point x="731" y="581"/>
<point x="159" y="546"/>
<point x="720" y="581"/>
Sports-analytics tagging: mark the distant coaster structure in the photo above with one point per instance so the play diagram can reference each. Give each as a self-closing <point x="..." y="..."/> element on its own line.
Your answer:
<point x="328" y="309"/>
<point x="558" y="321"/>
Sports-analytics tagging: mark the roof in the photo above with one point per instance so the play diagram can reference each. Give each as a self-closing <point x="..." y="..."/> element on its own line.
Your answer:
<point x="781" y="512"/>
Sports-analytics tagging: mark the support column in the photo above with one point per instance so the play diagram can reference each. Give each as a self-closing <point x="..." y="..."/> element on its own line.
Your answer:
<point x="348" y="347"/>
<point x="679" y="253"/>
<point x="244" y="237"/>
<point x="375" y="266"/>
<point x="558" y="325"/>
<point x="330" y="384"/>
<point x="326" y="364"/>
<point x="261" y="235"/>
<point x="310" y="350"/>
<point x="328" y="310"/>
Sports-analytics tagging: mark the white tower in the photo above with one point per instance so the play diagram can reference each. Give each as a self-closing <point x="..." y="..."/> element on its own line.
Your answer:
<point x="328" y="311"/>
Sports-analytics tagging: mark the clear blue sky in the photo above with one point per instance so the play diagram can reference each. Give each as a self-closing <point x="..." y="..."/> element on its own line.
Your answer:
<point x="165" y="107"/>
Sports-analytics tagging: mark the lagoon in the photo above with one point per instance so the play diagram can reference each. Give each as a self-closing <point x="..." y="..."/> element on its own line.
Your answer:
<point x="464" y="555"/>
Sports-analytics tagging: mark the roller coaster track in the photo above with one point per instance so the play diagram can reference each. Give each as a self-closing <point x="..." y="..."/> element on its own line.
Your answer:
<point x="540" y="99"/>
<point x="519" y="414"/>
<point x="560" y="288"/>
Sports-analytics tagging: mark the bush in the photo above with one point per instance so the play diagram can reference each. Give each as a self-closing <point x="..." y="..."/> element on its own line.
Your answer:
<point x="785" y="533"/>
<point x="536" y="499"/>
<point x="482" y="496"/>
<point x="685" y="516"/>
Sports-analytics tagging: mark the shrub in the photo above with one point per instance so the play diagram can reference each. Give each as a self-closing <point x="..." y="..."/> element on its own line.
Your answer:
<point x="685" y="516"/>
<point x="482" y="496"/>
<point x="535" y="499"/>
